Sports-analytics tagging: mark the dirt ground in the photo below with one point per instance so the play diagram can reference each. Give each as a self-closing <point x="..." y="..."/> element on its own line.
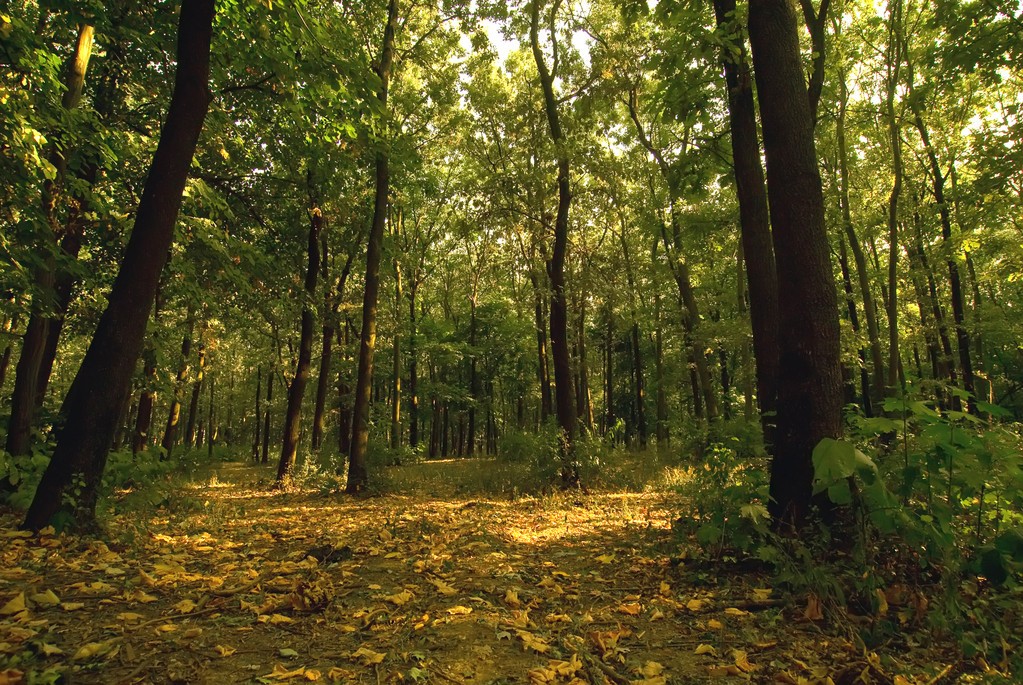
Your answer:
<point x="228" y="582"/>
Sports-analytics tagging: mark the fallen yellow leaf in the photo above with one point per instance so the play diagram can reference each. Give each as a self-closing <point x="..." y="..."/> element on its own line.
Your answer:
<point x="14" y="606"/>
<point x="92" y="650"/>
<point x="185" y="606"/>
<point x="511" y="598"/>
<point x="71" y="606"/>
<point x="706" y="649"/>
<point x="129" y="617"/>
<point x="400" y="598"/>
<point x="742" y="661"/>
<point x="224" y="650"/>
<point x="367" y="657"/>
<point x="715" y="624"/>
<point x="632" y="608"/>
<point x="695" y="604"/>
<point x="460" y="610"/>
<point x="281" y="673"/>
<point x="651" y="669"/>
<point x="46" y="599"/>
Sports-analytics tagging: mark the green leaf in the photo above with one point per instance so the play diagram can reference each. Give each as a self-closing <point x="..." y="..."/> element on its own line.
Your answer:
<point x="835" y="460"/>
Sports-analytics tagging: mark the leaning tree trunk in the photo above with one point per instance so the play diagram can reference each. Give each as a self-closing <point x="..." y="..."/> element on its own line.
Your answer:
<point x="90" y="410"/>
<point x="810" y="375"/>
<point x="293" y="417"/>
<point x="358" y="476"/>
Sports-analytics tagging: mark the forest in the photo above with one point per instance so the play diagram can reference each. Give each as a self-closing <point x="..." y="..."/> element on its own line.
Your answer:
<point x="337" y="336"/>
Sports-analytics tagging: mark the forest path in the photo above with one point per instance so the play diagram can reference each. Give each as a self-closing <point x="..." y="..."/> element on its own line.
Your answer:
<point x="220" y="583"/>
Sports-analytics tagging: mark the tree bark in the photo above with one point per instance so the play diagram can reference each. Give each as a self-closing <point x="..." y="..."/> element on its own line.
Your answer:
<point x="26" y="395"/>
<point x="147" y="399"/>
<point x="193" y="405"/>
<point x="810" y="378"/>
<point x="265" y="459"/>
<point x="296" y="392"/>
<point x="754" y="219"/>
<point x="358" y="476"/>
<point x="259" y="415"/>
<point x="863" y="276"/>
<point x="895" y="140"/>
<point x="563" y="392"/>
<point x="542" y="369"/>
<point x="90" y="408"/>
<point x="954" y="279"/>
<point x="170" y="432"/>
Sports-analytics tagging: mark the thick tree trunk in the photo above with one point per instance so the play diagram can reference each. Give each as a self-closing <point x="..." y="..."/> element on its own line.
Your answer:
<point x="90" y="408"/>
<point x="358" y="476"/>
<point x="296" y="392"/>
<point x="810" y="377"/>
<point x="754" y="219"/>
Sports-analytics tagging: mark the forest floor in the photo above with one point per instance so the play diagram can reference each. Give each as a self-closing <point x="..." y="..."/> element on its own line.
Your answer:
<point x="224" y="581"/>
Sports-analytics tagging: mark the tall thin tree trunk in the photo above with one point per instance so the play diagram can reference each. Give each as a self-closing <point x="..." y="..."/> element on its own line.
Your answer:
<point x="193" y="405"/>
<point x="869" y="308"/>
<point x="267" y="414"/>
<point x="26" y="396"/>
<point x="754" y="219"/>
<point x="170" y="433"/>
<point x="895" y="140"/>
<point x="259" y="415"/>
<point x="954" y="280"/>
<point x="609" y="404"/>
<point x="90" y="407"/>
<point x="413" y="370"/>
<point x="358" y="476"/>
<point x="296" y="392"/>
<point x="563" y="393"/>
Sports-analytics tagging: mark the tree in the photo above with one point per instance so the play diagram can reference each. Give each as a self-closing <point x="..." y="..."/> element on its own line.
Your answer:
<point x="358" y="476"/>
<point x="92" y="406"/>
<point x="564" y="394"/>
<point x="809" y="372"/>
